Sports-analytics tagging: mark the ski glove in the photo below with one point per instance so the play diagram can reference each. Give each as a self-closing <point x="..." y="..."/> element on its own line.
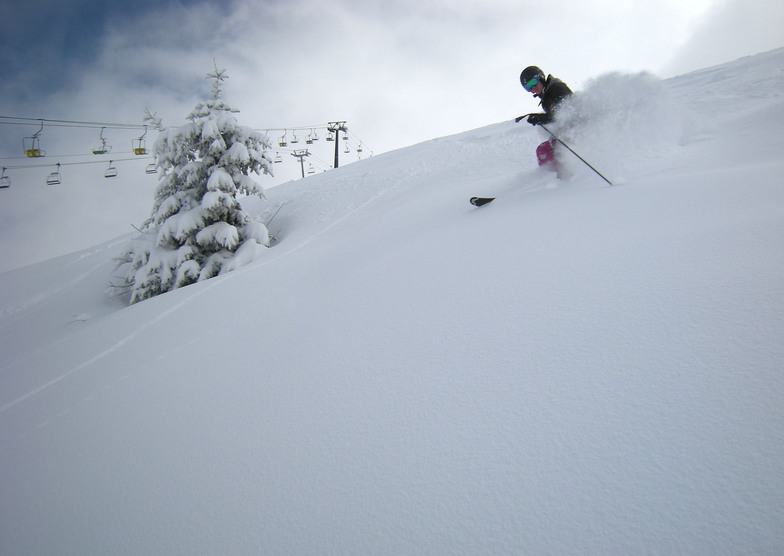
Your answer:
<point x="536" y="119"/>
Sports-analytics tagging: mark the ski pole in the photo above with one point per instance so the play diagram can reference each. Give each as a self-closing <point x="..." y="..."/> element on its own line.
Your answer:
<point x="574" y="153"/>
<point x="274" y="215"/>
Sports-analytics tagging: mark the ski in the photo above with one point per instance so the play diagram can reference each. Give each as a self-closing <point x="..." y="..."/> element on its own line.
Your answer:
<point x="479" y="201"/>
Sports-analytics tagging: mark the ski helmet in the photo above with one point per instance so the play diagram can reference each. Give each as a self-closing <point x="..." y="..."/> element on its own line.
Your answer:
<point x="529" y="73"/>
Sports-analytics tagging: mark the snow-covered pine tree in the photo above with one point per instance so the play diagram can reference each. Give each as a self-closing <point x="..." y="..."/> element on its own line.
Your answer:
<point x="197" y="228"/>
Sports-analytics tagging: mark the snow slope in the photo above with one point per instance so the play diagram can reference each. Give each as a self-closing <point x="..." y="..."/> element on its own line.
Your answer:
<point x="574" y="368"/>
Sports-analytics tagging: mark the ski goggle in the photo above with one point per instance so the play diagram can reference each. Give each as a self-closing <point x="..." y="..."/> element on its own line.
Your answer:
<point x="531" y="84"/>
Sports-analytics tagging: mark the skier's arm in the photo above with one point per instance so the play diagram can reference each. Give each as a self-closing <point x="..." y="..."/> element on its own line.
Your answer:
<point x="535" y="118"/>
<point x="555" y="94"/>
<point x="544" y="118"/>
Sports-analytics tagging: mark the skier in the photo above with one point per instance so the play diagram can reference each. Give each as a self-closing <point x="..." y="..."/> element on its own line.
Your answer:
<point x="551" y="91"/>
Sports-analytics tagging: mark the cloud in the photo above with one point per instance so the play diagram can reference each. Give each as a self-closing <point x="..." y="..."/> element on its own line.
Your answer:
<point x="730" y="30"/>
<point x="399" y="72"/>
<point x="44" y="44"/>
<point x="402" y="71"/>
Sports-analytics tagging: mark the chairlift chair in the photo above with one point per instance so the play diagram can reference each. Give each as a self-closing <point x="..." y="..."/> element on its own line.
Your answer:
<point x="282" y="140"/>
<point x="139" y="145"/>
<point x="55" y="177"/>
<point x="5" y="181"/>
<point x="103" y="148"/>
<point x="330" y="136"/>
<point x="278" y="158"/>
<point x="32" y="145"/>
<point x="151" y="169"/>
<point x="111" y="171"/>
<point x="311" y="169"/>
<point x="309" y="138"/>
<point x="294" y="138"/>
<point x="359" y="147"/>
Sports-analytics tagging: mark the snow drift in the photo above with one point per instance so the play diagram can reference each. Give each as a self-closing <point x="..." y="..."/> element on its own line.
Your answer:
<point x="574" y="368"/>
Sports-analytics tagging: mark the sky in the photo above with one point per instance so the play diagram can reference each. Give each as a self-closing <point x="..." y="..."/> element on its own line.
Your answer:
<point x="397" y="72"/>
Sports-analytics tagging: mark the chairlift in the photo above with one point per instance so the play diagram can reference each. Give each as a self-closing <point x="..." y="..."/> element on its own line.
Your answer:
<point x="32" y="145"/>
<point x="139" y="145"/>
<point x="151" y="169"/>
<point x="311" y="169"/>
<point x="331" y="136"/>
<point x="111" y="171"/>
<point x="309" y="139"/>
<point x="282" y="139"/>
<point x="359" y="147"/>
<point x="5" y="181"/>
<point x="278" y="158"/>
<point x="104" y="148"/>
<point x="294" y="136"/>
<point x="55" y="177"/>
<point x="347" y="151"/>
<point x="345" y="136"/>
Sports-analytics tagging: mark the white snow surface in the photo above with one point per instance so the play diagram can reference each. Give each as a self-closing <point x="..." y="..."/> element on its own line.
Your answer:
<point x="572" y="369"/>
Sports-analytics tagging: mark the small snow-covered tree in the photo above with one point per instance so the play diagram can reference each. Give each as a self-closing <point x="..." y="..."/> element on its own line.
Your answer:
<point x="197" y="228"/>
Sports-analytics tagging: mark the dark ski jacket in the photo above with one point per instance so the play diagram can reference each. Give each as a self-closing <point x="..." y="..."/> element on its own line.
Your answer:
<point x="554" y="92"/>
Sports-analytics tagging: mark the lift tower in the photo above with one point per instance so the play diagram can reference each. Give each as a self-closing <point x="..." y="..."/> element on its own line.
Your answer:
<point x="301" y="155"/>
<point x="336" y="127"/>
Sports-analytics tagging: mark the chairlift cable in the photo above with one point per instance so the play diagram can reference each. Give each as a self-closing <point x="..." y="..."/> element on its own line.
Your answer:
<point x="67" y="123"/>
<point x="19" y="167"/>
<point x="65" y="156"/>
<point x="17" y="120"/>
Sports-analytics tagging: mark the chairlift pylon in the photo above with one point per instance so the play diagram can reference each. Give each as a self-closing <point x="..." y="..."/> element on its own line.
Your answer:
<point x="32" y="145"/>
<point x="54" y="178"/>
<point x="111" y="171"/>
<point x="139" y="145"/>
<point x="5" y="181"/>
<point x="103" y="148"/>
